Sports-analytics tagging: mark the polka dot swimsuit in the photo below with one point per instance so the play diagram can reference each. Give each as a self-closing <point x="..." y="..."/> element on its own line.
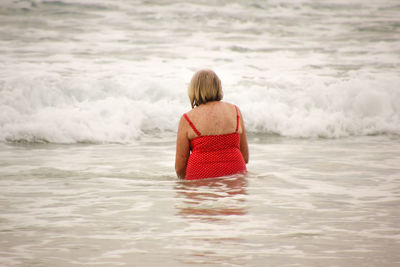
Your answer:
<point x="214" y="155"/>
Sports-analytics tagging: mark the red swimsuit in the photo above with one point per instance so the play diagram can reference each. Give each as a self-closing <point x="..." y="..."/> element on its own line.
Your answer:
<point x="214" y="155"/>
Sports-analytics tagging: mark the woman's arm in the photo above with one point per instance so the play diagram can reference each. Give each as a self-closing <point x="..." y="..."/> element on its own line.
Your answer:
<point x="182" y="149"/>
<point x="244" y="147"/>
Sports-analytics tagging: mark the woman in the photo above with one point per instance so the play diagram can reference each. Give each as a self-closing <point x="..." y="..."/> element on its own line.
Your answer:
<point x="211" y="139"/>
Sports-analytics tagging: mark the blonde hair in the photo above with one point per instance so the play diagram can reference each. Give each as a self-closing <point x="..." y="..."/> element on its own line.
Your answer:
<point x="204" y="87"/>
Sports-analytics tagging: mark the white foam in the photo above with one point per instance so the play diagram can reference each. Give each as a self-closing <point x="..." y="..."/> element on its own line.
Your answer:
<point x="85" y="110"/>
<point x="343" y="108"/>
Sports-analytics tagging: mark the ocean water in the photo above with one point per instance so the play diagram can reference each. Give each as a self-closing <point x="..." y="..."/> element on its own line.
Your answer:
<point x="91" y="92"/>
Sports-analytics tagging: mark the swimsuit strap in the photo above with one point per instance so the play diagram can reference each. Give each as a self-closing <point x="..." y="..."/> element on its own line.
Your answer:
<point x="191" y="125"/>
<point x="237" y="119"/>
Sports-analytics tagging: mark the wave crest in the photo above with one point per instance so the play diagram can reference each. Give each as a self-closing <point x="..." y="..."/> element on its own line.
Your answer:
<point x="58" y="110"/>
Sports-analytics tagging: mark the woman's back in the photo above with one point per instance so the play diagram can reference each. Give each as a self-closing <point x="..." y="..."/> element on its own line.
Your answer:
<point x="213" y="118"/>
<point x="211" y="139"/>
<point x="216" y="145"/>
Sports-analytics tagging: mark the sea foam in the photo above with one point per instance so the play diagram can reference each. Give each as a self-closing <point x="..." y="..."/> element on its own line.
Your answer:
<point x="341" y="108"/>
<point x="60" y="110"/>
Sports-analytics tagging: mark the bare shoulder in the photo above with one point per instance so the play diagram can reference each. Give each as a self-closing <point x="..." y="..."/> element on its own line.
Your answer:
<point x="183" y="124"/>
<point x="232" y="106"/>
<point x="198" y="111"/>
<point x="190" y="112"/>
<point x="212" y="109"/>
<point x="228" y="104"/>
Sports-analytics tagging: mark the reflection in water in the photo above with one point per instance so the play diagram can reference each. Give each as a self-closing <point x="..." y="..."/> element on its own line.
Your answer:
<point x="213" y="210"/>
<point x="211" y="199"/>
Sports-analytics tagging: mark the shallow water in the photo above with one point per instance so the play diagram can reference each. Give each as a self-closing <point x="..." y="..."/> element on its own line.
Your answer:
<point x="322" y="202"/>
<point x="91" y="92"/>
